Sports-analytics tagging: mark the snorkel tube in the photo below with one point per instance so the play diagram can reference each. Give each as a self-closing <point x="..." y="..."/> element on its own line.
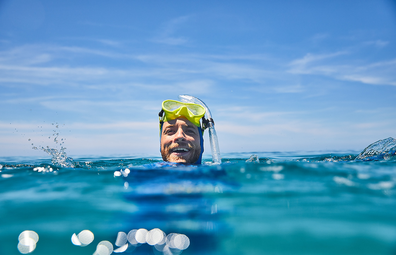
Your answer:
<point x="214" y="144"/>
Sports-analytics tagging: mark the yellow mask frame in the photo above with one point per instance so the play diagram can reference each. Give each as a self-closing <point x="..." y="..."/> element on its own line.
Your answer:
<point x="172" y="109"/>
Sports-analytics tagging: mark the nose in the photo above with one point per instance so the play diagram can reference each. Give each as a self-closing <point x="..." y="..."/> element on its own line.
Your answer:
<point x="180" y="136"/>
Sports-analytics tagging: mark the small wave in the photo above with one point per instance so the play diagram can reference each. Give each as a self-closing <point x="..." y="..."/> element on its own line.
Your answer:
<point x="384" y="149"/>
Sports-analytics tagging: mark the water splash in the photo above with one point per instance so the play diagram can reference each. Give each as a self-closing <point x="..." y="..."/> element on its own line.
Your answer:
<point x="253" y="158"/>
<point x="59" y="156"/>
<point x="380" y="150"/>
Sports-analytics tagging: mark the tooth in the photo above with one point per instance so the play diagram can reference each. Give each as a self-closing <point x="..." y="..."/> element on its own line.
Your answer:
<point x="180" y="149"/>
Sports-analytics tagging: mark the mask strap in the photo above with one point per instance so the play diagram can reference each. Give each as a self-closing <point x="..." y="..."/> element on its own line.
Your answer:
<point x="207" y="123"/>
<point x="161" y="115"/>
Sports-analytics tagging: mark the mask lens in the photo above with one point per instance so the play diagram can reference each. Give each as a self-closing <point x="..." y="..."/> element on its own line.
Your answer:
<point x="171" y="106"/>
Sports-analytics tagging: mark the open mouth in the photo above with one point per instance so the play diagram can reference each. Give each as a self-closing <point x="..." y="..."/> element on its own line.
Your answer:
<point x="180" y="150"/>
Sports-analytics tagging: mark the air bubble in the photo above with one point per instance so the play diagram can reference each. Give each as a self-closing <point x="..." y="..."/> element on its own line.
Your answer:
<point x="131" y="237"/>
<point x="121" y="249"/>
<point x="84" y="238"/>
<point x="155" y="236"/>
<point x="121" y="239"/>
<point x="181" y="242"/>
<point x="104" y="248"/>
<point x="27" y="241"/>
<point x="140" y="235"/>
<point x="28" y="234"/>
<point x="26" y="246"/>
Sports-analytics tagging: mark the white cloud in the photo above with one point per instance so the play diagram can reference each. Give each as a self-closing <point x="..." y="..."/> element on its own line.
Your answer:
<point x="248" y="114"/>
<point x="110" y="42"/>
<point x="378" y="43"/>
<point x="82" y="50"/>
<point x="290" y="89"/>
<point x="166" y="36"/>
<point x="172" y="40"/>
<point x="127" y="125"/>
<point x="377" y="73"/>
<point x="25" y="55"/>
<point x="283" y="128"/>
<point x="319" y="37"/>
<point x="194" y="87"/>
<point x="366" y="79"/>
<point x="303" y="65"/>
<point x="282" y="88"/>
<point x="131" y="126"/>
<point x="45" y="65"/>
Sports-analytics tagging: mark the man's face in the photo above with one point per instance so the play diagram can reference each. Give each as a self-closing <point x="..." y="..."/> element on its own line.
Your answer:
<point x="180" y="141"/>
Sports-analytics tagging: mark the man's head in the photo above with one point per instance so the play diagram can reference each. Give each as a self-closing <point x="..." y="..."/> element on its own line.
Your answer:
<point x="181" y="133"/>
<point x="180" y="141"/>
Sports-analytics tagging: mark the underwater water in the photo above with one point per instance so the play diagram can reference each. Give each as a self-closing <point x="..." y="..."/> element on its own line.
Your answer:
<point x="268" y="203"/>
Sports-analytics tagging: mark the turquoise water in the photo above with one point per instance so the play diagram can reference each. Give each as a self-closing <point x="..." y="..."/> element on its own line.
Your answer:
<point x="275" y="203"/>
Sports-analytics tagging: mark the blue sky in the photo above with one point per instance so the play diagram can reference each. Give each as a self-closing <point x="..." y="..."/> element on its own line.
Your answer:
<point x="277" y="75"/>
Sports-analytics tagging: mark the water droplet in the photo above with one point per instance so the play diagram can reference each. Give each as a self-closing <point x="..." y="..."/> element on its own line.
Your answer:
<point x="74" y="240"/>
<point x="155" y="236"/>
<point x="121" y="249"/>
<point x="85" y="237"/>
<point x="140" y="235"/>
<point x="121" y="239"/>
<point x="131" y="237"/>
<point x="104" y="248"/>
<point x="27" y="241"/>
<point x="26" y="246"/>
<point x="28" y="234"/>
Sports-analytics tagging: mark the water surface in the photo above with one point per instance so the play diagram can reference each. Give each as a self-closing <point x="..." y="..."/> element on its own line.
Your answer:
<point x="275" y="203"/>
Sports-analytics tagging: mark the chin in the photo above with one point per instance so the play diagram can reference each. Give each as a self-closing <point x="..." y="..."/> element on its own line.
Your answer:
<point x="187" y="159"/>
<point x="179" y="160"/>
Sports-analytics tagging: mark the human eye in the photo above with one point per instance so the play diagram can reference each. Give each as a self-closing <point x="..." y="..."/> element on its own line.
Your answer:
<point x="169" y="131"/>
<point x="191" y="131"/>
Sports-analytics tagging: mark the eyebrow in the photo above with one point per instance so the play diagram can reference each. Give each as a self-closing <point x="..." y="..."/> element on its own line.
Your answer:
<point x="187" y="126"/>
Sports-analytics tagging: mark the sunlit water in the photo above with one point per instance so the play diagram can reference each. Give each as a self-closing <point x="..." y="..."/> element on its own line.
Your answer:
<point x="275" y="203"/>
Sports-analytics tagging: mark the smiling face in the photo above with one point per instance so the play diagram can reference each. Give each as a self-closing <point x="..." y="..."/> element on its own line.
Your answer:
<point x="180" y="141"/>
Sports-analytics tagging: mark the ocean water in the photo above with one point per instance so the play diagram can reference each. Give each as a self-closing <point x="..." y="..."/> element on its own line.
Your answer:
<point x="253" y="203"/>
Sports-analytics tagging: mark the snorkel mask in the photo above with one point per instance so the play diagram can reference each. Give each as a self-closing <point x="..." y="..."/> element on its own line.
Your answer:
<point x="172" y="109"/>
